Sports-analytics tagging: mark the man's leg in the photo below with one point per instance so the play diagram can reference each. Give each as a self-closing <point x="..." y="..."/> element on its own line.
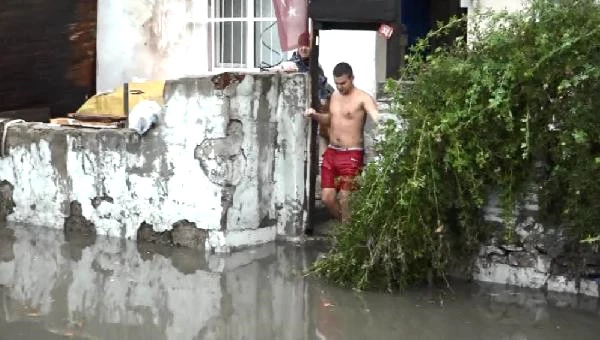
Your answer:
<point x="347" y="186"/>
<point x="350" y="167"/>
<point x="328" y="196"/>
<point x="328" y="189"/>
<point x="343" y="205"/>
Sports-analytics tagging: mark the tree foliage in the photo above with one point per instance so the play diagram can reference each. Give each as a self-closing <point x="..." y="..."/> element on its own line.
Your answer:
<point x="478" y="117"/>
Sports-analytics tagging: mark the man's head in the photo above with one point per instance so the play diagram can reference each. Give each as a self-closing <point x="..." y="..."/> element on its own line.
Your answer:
<point x="304" y="45"/>
<point x="343" y="77"/>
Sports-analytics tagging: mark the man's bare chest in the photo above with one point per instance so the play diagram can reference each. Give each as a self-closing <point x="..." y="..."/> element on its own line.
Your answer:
<point x="349" y="111"/>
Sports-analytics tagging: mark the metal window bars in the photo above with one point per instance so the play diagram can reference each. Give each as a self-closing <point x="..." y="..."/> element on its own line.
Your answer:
<point x="244" y="35"/>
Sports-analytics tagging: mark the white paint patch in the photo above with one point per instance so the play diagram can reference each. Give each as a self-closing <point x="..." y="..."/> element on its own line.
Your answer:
<point x="505" y="274"/>
<point x="496" y="5"/>
<point x="532" y="278"/>
<point x="243" y="238"/>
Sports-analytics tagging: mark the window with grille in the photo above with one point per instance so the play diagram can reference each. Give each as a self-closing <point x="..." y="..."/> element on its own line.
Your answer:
<point x="244" y="34"/>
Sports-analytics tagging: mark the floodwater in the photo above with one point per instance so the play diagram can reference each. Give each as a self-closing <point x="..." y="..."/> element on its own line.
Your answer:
<point x="114" y="289"/>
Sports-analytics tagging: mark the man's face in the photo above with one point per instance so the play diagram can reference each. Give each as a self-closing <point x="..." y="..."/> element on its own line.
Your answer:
<point x="304" y="52"/>
<point x="344" y="83"/>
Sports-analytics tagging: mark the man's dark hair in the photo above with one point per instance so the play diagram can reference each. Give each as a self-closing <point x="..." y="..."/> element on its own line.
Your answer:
<point x="342" y="69"/>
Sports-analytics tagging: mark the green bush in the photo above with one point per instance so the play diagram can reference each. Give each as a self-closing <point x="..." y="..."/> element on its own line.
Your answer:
<point x="478" y="117"/>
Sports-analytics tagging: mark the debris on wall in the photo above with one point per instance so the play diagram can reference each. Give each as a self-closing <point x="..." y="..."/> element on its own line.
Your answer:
<point x="7" y="204"/>
<point x="222" y="159"/>
<point x="183" y="234"/>
<point x="76" y="223"/>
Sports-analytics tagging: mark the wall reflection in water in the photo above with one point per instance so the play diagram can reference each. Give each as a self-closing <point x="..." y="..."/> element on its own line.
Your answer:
<point x="115" y="289"/>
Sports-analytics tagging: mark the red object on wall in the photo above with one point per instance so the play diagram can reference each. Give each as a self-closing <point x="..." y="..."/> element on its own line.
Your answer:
<point x="386" y="31"/>
<point x="292" y="23"/>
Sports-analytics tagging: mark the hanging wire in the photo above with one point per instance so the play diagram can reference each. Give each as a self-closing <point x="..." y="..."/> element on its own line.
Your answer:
<point x="264" y="65"/>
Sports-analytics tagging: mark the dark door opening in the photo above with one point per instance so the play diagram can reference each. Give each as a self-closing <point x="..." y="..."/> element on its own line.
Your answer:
<point x="413" y="19"/>
<point x="48" y="57"/>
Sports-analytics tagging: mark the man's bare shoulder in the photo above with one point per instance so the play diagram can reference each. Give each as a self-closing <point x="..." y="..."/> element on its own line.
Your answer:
<point x="364" y="95"/>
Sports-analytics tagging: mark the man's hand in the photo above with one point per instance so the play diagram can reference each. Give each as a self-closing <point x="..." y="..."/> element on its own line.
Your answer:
<point x="321" y="118"/>
<point x="310" y="113"/>
<point x="286" y="66"/>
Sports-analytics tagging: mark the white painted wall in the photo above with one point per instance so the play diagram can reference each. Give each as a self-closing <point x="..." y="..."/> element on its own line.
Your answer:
<point x="474" y="6"/>
<point x="365" y="51"/>
<point x="498" y="5"/>
<point x="150" y="39"/>
<point x="169" y="39"/>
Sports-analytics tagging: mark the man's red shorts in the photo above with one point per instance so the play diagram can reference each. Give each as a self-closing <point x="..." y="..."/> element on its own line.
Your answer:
<point x="340" y="167"/>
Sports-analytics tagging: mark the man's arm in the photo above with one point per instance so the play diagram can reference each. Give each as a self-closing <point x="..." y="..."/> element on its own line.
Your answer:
<point x="370" y="107"/>
<point x="322" y="118"/>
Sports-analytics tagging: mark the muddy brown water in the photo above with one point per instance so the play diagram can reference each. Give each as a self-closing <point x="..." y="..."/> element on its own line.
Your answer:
<point x="116" y="289"/>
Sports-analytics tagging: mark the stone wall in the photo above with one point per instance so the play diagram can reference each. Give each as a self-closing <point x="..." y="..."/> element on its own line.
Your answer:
<point x="228" y="155"/>
<point x="527" y="253"/>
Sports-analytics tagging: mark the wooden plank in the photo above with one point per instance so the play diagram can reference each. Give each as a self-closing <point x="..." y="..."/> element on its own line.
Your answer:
<point x="81" y="124"/>
<point x="96" y="118"/>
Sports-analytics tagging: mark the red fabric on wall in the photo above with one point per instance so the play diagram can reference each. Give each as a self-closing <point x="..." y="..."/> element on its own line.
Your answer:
<point x="292" y="23"/>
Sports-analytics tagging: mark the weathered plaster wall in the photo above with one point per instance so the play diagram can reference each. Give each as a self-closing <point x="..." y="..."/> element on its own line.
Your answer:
<point x="230" y="159"/>
<point x="151" y="39"/>
<point x="116" y="290"/>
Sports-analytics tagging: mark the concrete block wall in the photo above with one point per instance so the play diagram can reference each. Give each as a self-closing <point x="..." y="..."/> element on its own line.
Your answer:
<point x="228" y="154"/>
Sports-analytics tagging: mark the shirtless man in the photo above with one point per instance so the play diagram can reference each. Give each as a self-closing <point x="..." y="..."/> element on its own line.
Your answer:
<point x="343" y="158"/>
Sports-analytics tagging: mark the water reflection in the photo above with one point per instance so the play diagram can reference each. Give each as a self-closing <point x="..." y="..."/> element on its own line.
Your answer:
<point x="114" y="289"/>
<point x="7" y="239"/>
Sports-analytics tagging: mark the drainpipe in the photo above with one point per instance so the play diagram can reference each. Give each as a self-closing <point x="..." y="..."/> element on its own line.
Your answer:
<point x="313" y="144"/>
